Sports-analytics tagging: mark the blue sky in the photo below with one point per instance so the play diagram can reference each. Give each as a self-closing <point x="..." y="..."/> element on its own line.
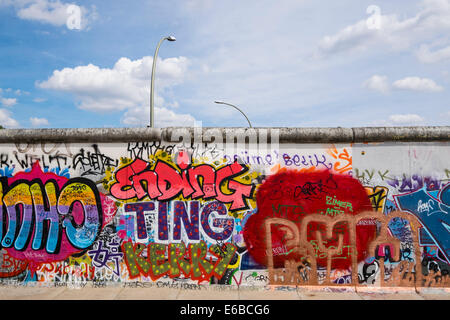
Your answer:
<point x="286" y="63"/>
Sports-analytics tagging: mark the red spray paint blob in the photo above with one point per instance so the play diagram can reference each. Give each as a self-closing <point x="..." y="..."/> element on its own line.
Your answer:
<point x="293" y="195"/>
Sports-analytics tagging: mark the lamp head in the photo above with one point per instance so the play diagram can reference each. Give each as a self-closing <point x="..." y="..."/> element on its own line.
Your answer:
<point x="171" y="38"/>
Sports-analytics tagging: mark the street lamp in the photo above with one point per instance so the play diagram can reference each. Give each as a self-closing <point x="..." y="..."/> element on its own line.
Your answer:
<point x="169" y="38"/>
<point x="221" y="102"/>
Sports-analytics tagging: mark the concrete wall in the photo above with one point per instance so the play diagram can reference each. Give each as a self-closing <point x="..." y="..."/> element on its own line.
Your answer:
<point x="186" y="207"/>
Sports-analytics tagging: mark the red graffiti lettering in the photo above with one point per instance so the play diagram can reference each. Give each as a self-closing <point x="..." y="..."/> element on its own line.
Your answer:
<point x="165" y="182"/>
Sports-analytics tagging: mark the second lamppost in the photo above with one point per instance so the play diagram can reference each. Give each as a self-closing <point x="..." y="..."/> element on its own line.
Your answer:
<point x="231" y="105"/>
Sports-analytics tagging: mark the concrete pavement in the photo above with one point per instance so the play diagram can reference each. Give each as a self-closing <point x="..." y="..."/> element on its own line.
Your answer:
<point x="219" y="292"/>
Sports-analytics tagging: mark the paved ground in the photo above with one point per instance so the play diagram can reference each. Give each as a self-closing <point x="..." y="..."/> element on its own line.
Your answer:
<point x="220" y="293"/>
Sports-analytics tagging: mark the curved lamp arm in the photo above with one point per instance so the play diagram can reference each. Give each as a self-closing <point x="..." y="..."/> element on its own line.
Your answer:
<point x="221" y="102"/>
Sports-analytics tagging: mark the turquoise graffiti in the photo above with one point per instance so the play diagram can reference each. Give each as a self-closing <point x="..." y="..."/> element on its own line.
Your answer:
<point x="433" y="213"/>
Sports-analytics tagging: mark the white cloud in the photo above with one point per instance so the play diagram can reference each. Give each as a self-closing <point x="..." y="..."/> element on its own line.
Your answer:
<point x="350" y="37"/>
<point x="198" y="4"/>
<point x="405" y="119"/>
<point x="19" y="92"/>
<point x="124" y="87"/>
<point x="417" y="84"/>
<point x="8" y="102"/>
<point x="39" y="122"/>
<point x="433" y="17"/>
<point x="381" y="84"/>
<point x="426" y="56"/>
<point x="377" y="83"/>
<point x="6" y="120"/>
<point x="39" y="100"/>
<point x="140" y="117"/>
<point x="54" y="12"/>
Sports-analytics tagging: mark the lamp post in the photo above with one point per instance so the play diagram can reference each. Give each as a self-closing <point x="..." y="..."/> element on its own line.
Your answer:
<point x="169" y="38"/>
<point x="228" y="104"/>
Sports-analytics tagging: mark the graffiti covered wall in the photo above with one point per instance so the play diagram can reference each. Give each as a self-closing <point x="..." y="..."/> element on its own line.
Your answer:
<point x="167" y="214"/>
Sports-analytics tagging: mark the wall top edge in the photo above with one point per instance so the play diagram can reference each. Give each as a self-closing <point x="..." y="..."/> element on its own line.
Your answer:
<point x="211" y="134"/>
